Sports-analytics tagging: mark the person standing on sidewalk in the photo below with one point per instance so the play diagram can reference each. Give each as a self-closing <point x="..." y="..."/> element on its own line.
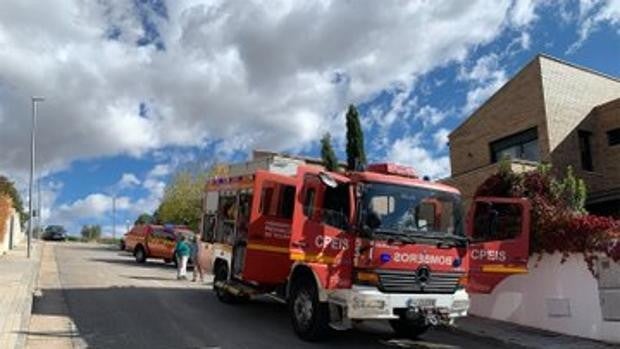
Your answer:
<point x="182" y="252"/>
<point x="197" y="271"/>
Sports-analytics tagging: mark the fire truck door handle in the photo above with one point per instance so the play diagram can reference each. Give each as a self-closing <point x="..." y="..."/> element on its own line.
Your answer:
<point x="300" y="243"/>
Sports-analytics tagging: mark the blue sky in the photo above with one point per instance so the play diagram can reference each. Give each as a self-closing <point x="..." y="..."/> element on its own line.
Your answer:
<point x="137" y="91"/>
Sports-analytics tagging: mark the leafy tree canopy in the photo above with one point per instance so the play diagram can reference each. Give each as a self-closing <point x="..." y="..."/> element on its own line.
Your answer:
<point x="356" y="156"/>
<point x="144" y="218"/>
<point x="91" y="232"/>
<point x="327" y="153"/>
<point x="7" y="187"/>
<point x="182" y="201"/>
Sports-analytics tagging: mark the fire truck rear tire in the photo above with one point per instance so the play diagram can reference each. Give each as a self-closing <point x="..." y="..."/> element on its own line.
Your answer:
<point x="309" y="316"/>
<point x="406" y="328"/>
<point x="221" y="274"/>
<point x="140" y="254"/>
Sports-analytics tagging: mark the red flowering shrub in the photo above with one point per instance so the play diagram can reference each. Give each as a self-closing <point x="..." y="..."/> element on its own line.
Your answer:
<point x="559" y="221"/>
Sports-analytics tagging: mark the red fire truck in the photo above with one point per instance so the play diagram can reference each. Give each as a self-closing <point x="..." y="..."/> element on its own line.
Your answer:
<point x="346" y="247"/>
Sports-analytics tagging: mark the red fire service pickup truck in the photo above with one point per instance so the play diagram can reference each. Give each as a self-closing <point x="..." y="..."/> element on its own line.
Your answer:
<point x="154" y="241"/>
<point x="345" y="247"/>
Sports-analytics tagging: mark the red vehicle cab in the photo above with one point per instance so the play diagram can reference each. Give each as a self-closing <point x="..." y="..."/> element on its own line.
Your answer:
<point x="378" y="244"/>
<point x="154" y="241"/>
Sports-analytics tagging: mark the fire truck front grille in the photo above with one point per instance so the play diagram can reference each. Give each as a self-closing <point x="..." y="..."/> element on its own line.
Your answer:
<point x="395" y="281"/>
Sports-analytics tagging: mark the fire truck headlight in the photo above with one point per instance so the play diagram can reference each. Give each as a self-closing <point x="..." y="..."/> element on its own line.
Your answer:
<point x="366" y="278"/>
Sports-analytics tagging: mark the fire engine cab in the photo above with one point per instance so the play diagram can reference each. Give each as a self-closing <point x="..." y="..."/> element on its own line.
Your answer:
<point x="345" y="247"/>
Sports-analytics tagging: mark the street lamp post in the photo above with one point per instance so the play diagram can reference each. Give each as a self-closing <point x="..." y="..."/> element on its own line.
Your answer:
<point x="114" y="217"/>
<point x="31" y="184"/>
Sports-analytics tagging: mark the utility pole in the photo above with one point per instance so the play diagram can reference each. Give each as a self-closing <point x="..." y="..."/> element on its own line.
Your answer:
<point x="31" y="184"/>
<point x="114" y="217"/>
<point x="38" y="206"/>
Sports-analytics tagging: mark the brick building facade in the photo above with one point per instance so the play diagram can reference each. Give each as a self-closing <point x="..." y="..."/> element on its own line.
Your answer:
<point x="550" y="111"/>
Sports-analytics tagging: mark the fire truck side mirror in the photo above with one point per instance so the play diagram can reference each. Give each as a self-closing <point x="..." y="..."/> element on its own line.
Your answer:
<point x="327" y="180"/>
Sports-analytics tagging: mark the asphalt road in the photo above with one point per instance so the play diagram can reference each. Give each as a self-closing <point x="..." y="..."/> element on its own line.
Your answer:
<point x="116" y="303"/>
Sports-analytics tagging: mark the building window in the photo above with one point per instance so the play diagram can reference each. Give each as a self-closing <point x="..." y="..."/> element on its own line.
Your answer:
<point x="613" y="137"/>
<point x="585" y="149"/>
<point x="522" y="145"/>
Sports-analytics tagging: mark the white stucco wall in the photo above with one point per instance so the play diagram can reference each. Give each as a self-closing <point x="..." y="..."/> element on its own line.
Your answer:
<point x="18" y="234"/>
<point x="558" y="297"/>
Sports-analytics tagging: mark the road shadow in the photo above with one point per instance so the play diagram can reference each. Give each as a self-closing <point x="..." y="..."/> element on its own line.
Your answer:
<point x="154" y="278"/>
<point x="136" y="317"/>
<point x="133" y="263"/>
<point x="145" y="317"/>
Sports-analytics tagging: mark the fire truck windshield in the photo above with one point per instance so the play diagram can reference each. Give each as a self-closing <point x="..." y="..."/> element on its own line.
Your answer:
<point x="407" y="212"/>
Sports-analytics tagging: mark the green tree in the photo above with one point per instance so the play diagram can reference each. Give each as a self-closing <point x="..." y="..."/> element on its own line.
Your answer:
<point x="7" y="187"/>
<point x="356" y="156"/>
<point x="144" y="218"/>
<point x="182" y="201"/>
<point x="327" y="153"/>
<point x="91" y="232"/>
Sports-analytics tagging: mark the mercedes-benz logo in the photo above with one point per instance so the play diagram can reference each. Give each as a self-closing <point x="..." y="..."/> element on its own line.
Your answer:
<point x="423" y="274"/>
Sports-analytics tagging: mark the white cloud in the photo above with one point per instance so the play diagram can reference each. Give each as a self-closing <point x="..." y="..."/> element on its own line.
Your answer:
<point x="241" y="74"/>
<point x="92" y="206"/>
<point x="430" y="115"/>
<point x="128" y="180"/>
<point x="523" y="12"/>
<point x="592" y="14"/>
<point x="249" y="73"/>
<point x="160" y="170"/>
<point x="407" y="151"/>
<point x="485" y="77"/>
<point x="440" y="138"/>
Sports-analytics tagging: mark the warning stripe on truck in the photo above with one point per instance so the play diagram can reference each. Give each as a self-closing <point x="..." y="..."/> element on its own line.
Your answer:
<point x="313" y="258"/>
<point x="295" y="255"/>
<point x="503" y="269"/>
<point x="268" y="248"/>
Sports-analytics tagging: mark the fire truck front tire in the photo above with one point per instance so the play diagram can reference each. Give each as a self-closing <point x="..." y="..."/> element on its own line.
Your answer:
<point x="140" y="254"/>
<point x="409" y="328"/>
<point x="309" y="316"/>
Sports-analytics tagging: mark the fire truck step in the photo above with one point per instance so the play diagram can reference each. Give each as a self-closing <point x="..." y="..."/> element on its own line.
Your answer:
<point x="236" y="288"/>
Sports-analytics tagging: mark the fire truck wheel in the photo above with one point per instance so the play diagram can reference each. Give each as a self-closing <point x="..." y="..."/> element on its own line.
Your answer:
<point x="406" y="328"/>
<point x="221" y="275"/>
<point x="140" y="254"/>
<point x="309" y="316"/>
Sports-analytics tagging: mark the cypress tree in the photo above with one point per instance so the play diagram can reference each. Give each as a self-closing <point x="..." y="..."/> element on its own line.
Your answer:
<point x="327" y="153"/>
<point x="356" y="157"/>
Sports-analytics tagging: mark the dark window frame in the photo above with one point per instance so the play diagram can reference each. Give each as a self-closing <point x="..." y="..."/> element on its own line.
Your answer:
<point x="585" y="150"/>
<point x="516" y="139"/>
<point x="613" y="137"/>
<point x="497" y="222"/>
<point x="309" y="198"/>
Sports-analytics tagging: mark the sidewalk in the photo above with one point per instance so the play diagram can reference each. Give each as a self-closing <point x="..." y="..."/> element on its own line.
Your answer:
<point x="524" y="337"/>
<point x="50" y="324"/>
<point x="18" y="276"/>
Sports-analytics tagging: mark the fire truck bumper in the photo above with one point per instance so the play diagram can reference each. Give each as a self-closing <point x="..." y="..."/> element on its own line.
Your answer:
<point x="365" y="302"/>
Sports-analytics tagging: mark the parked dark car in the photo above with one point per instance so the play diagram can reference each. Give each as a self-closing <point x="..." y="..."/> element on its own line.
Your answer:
<point x="54" y="233"/>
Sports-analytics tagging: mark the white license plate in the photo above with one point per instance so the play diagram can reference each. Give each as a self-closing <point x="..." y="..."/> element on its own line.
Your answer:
<point x="422" y="302"/>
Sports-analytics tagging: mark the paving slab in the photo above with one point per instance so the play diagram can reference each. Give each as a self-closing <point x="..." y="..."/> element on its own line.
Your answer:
<point x="50" y="324"/>
<point x="18" y="276"/>
<point x="519" y="336"/>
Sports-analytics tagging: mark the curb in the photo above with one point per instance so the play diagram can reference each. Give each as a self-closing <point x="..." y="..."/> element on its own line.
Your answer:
<point x="32" y="283"/>
<point x="481" y="335"/>
<point x="524" y="337"/>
